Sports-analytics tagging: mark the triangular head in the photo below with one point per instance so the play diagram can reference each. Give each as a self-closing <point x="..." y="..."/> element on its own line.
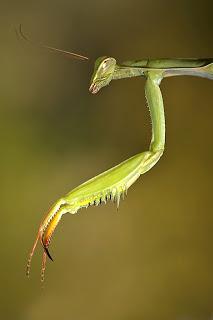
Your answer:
<point x="103" y="73"/>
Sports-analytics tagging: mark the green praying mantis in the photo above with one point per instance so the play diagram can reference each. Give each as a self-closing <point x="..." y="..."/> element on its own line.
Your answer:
<point x="114" y="183"/>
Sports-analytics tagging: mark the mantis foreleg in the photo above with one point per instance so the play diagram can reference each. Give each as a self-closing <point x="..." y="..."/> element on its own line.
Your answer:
<point x="113" y="183"/>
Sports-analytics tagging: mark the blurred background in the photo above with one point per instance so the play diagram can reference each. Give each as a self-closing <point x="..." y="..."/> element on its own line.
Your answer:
<point x="153" y="259"/>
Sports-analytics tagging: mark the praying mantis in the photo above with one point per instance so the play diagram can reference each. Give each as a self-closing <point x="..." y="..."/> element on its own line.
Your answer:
<point x="114" y="183"/>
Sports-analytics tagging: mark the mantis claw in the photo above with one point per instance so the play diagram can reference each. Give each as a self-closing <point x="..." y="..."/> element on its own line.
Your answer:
<point x="47" y="253"/>
<point x="45" y="233"/>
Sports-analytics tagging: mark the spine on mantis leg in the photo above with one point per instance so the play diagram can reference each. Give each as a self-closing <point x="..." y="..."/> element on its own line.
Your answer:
<point x="113" y="183"/>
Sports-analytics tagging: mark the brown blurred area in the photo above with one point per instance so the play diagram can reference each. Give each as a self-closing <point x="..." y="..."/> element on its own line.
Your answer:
<point x="153" y="259"/>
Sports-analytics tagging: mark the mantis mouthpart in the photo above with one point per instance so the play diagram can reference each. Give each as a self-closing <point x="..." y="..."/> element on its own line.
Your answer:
<point x="114" y="183"/>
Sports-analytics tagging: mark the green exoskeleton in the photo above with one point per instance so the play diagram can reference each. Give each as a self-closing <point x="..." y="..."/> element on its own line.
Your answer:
<point x="114" y="183"/>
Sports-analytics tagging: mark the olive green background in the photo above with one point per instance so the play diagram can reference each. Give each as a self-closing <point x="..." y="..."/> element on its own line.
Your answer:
<point x="154" y="258"/>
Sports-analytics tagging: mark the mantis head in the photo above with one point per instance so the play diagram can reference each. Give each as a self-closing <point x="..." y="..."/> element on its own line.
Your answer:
<point x="103" y="73"/>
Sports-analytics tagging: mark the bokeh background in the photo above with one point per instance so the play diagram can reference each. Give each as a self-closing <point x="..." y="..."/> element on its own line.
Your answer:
<point x="153" y="259"/>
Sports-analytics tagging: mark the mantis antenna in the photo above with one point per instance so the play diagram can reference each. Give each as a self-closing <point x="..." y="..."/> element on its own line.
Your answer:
<point x="68" y="54"/>
<point x="114" y="183"/>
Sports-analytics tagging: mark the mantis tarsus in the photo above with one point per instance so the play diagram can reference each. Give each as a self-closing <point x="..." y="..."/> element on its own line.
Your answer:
<point x="114" y="183"/>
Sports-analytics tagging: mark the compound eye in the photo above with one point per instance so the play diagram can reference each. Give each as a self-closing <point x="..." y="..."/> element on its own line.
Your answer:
<point x="105" y="64"/>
